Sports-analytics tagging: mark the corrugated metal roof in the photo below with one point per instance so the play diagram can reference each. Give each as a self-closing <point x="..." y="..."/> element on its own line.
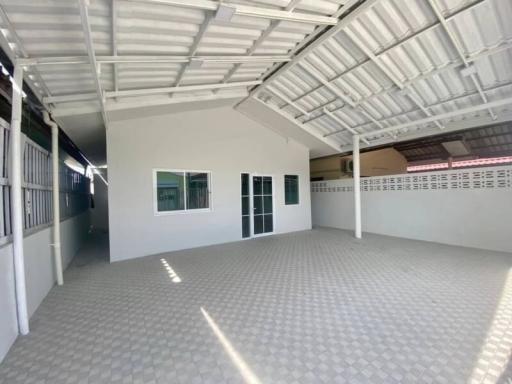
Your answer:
<point x="393" y="63"/>
<point x="156" y="40"/>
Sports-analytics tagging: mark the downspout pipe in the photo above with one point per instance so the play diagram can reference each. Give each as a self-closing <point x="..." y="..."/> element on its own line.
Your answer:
<point x="16" y="201"/>
<point x="56" y="197"/>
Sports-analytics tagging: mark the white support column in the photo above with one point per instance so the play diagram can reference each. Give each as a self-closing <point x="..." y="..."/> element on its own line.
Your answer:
<point x="357" y="186"/>
<point x="16" y="201"/>
<point x="56" y="198"/>
<point x="56" y="204"/>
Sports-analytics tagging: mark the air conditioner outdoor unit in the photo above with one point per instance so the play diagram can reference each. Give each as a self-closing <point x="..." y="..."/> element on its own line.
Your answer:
<point x="347" y="166"/>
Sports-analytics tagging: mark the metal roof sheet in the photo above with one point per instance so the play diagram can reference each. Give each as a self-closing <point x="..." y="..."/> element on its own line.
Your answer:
<point x="157" y="32"/>
<point x="400" y="63"/>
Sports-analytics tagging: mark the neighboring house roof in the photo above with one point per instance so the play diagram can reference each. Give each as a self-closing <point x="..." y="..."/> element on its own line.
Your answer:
<point x="484" y="142"/>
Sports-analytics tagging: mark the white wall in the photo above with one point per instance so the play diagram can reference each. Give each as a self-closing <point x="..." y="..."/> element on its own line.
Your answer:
<point x="279" y="124"/>
<point x="468" y="215"/>
<point x="220" y="140"/>
<point x="39" y="272"/>
<point x="8" y="319"/>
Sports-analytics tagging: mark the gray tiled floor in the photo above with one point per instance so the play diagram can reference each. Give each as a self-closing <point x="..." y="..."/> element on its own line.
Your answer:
<point x="309" y="307"/>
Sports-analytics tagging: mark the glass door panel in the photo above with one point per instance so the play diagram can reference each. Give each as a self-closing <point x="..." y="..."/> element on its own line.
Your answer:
<point x="246" y="206"/>
<point x="262" y="204"/>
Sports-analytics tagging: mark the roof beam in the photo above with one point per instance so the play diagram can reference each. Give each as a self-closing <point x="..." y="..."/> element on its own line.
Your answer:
<point x="273" y="25"/>
<point x="292" y="5"/>
<point x="304" y="127"/>
<point x="124" y="105"/>
<point x="193" y="49"/>
<point x="405" y="114"/>
<point x="246" y="10"/>
<point x="69" y="60"/>
<point x="458" y="47"/>
<point x="84" y="17"/>
<point x="251" y="50"/>
<point x="287" y="100"/>
<point x="447" y="115"/>
<point x="70" y="98"/>
<point x="186" y="88"/>
<point x="344" y="125"/>
<point x="114" y="43"/>
<point x="150" y="91"/>
<point x="453" y="126"/>
<point x="117" y="106"/>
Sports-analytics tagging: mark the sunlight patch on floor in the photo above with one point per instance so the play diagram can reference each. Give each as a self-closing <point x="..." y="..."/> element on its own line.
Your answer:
<point x="236" y="358"/>
<point x="173" y="275"/>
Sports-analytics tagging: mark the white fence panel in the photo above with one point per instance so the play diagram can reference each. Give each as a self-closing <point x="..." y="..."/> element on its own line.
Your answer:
<point x="468" y="207"/>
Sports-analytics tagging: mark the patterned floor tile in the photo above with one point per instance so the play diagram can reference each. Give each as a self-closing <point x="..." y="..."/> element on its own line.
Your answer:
<point x="309" y="307"/>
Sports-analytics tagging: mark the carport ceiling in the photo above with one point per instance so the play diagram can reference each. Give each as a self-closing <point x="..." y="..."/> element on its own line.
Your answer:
<point x="386" y="69"/>
<point x="86" y="57"/>
<point x="397" y="69"/>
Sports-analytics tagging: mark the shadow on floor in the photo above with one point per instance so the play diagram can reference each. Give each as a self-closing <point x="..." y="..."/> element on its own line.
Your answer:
<point x="94" y="251"/>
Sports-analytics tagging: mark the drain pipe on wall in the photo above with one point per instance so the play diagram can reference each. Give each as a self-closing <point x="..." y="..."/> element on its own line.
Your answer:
<point x="56" y="197"/>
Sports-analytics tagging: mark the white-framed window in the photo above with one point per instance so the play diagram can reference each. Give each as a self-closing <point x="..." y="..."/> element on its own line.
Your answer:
<point x="178" y="191"/>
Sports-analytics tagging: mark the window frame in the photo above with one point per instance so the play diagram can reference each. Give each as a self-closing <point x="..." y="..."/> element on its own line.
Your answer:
<point x="156" y="212"/>
<point x="298" y="189"/>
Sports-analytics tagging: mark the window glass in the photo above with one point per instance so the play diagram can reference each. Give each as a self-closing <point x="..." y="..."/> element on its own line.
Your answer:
<point x="246" y="226"/>
<point x="257" y="185"/>
<point x="197" y="191"/>
<point x="245" y="205"/>
<point x="269" y="225"/>
<point x="267" y="185"/>
<point x="291" y="189"/>
<point x="258" y="224"/>
<point x="258" y="205"/>
<point x="267" y="204"/>
<point x="182" y="191"/>
<point x="245" y="184"/>
<point x="170" y="191"/>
